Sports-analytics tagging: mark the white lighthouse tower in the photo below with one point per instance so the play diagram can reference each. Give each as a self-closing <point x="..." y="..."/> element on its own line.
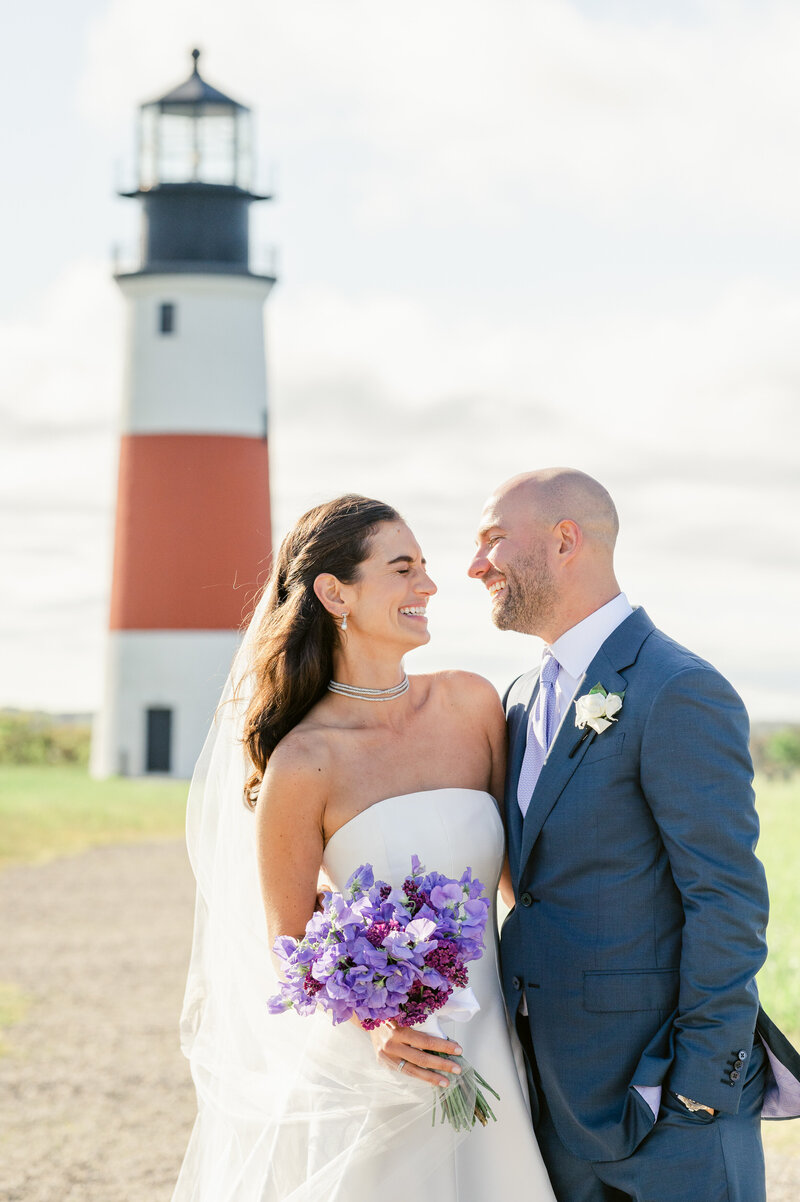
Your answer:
<point x="192" y="524"/>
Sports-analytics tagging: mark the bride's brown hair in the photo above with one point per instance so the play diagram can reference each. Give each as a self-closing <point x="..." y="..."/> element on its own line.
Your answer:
<point x="292" y="659"/>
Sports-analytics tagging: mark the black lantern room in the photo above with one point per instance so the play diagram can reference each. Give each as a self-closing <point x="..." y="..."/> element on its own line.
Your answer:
<point x="195" y="174"/>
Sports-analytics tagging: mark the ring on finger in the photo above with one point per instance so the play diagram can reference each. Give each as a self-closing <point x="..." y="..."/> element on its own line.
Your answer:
<point x="401" y="1064"/>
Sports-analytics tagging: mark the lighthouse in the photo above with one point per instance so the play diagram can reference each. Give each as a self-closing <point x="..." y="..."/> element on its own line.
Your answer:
<point x="192" y="530"/>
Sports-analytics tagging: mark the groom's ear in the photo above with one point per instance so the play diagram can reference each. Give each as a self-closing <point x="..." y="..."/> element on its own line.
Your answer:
<point x="571" y="539"/>
<point x="329" y="592"/>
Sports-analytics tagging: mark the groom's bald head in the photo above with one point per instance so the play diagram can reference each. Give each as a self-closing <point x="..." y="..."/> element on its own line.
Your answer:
<point x="557" y="494"/>
<point x="545" y="550"/>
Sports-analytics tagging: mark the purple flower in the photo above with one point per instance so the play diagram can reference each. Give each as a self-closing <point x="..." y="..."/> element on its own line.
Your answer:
<point x="285" y="947"/>
<point x="420" y="929"/>
<point x="361" y="881"/>
<point x="377" y="931"/>
<point x="422" y="1002"/>
<point x="445" y="959"/>
<point x="442" y="896"/>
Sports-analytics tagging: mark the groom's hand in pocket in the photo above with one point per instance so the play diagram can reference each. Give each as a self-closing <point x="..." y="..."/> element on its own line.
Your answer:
<point x="396" y="1045"/>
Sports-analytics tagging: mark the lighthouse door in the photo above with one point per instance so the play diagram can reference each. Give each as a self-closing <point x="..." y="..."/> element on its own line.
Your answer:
<point x="159" y="740"/>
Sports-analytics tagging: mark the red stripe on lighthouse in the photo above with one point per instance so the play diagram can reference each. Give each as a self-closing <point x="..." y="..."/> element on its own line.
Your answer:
<point x="192" y="533"/>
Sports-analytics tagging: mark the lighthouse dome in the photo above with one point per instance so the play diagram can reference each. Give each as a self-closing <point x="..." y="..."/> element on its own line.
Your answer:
<point x="195" y="134"/>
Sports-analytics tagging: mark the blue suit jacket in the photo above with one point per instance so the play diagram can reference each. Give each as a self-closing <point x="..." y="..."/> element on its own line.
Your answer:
<point x="641" y="906"/>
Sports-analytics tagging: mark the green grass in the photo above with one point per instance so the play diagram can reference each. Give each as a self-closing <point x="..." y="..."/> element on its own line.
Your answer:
<point x="779" y="849"/>
<point x="50" y="811"/>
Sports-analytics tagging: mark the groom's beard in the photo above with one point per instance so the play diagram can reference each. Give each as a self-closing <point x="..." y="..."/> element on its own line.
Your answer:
<point x="529" y="599"/>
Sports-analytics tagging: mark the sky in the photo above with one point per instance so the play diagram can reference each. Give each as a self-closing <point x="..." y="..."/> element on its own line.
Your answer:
<point x="509" y="235"/>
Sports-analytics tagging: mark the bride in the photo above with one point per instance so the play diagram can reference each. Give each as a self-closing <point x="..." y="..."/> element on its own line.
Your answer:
<point x="323" y="756"/>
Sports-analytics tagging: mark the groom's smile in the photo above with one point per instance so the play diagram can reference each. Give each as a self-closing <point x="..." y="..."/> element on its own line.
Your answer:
<point x="495" y="587"/>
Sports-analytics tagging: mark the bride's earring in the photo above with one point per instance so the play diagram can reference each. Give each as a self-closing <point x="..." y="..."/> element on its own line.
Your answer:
<point x="344" y="620"/>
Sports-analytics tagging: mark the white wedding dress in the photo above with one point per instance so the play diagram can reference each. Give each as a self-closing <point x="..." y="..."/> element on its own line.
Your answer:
<point x="450" y="829"/>
<point x="295" y="1109"/>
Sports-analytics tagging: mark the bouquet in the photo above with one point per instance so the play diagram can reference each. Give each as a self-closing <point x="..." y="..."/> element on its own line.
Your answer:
<point x="386" y="954"/>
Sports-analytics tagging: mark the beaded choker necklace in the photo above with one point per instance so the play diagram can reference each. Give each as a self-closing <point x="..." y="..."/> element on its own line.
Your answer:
<point x="349" y="690"/>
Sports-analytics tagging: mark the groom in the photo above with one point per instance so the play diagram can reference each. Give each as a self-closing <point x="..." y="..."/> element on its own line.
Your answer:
<point x="630" y="956"/>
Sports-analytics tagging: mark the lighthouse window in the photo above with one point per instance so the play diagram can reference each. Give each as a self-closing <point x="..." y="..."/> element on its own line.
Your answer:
<point x="166" y="318"/>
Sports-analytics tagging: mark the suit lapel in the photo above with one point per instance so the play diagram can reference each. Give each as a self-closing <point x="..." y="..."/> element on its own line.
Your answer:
<point x="517" y="732"/>
<point x="619" y="651"/>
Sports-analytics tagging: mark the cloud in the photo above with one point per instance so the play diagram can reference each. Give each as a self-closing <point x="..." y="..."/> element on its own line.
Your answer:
<point x="485" y="111"/>
<point x="692" y="421"/>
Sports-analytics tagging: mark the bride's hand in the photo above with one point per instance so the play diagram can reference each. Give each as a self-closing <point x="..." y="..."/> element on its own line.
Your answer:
<point x="410" y="1051"/>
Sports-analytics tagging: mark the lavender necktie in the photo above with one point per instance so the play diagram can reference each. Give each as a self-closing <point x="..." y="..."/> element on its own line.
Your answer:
<point x="542" y="727"/>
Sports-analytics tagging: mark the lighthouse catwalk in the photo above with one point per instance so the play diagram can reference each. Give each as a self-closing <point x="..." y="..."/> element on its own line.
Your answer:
<point x="192" y="523"/>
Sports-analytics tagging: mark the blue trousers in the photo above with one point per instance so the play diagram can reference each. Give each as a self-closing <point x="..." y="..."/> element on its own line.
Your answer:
<point x="685" y="1158"/>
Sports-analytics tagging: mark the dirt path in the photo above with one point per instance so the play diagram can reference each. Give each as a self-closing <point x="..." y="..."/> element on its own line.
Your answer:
<point x="96" y="1102"/>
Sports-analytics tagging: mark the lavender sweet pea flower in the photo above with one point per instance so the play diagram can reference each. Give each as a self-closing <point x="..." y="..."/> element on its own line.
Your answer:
<point x="341" y="911"/>
<point x="356" y="981"/>
<point x="432" y="915"/>
<point x="433" y="979"/>
<point x="285" y="946"/>
<point x="447" y="925"/>
<point x="420" y="929"/>
<point x="279" y="1003"/>
<point x="305" y="955"/>
<point x="326" y="964"/>
<point x="446" y="895"/>
<point x="399" y="979"/>
<point x="376" y="958"/>
<point x="360" y="881"/>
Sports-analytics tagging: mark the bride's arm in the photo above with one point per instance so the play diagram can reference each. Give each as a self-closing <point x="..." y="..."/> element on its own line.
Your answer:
<point x="289" y="833"/>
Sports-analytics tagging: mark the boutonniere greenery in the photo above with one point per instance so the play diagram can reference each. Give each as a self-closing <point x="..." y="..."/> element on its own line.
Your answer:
<point x="597" y="708"/>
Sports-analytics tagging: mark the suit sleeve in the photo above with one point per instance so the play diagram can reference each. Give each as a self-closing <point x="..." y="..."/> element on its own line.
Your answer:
<point x="696" y="775"/>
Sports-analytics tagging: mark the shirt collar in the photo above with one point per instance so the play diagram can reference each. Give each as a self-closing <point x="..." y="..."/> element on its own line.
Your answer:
<point x="578" y="646"/>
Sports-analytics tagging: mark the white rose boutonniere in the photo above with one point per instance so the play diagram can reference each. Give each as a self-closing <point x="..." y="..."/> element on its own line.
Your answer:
<point x="596" y="709"/>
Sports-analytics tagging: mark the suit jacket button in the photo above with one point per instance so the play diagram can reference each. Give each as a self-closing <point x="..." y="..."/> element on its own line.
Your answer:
<point x="735" y="1077"/>
<point x="742" y="1055"/>
<point x="526" y="899"/>
<point x="737" y="1063"/>
<point x="515" y="981"/>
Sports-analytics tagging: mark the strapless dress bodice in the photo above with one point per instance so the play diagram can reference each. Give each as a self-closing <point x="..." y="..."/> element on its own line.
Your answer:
<point x="449" y="829"/>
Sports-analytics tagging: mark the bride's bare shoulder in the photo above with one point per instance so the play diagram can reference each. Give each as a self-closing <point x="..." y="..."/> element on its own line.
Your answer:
<point x="467" y="690"/>
<point x="302" y="757"/>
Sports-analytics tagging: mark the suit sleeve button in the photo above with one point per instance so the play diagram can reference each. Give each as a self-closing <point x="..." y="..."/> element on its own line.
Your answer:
<point x="737" y="1064"/>
<point x="742" y="1055"/>
<point x="516" y="982"/>
<point x="735" y="1076"/>
<point x="526" y="899"/>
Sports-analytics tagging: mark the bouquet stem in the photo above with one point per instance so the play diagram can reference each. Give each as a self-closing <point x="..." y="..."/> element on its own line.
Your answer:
<point x="463" y="1102"/>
